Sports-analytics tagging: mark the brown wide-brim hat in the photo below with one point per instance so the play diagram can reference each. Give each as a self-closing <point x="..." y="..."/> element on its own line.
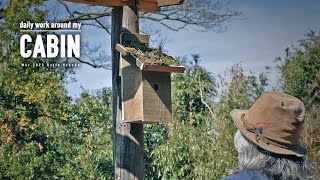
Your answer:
<point x="273" y="123"/>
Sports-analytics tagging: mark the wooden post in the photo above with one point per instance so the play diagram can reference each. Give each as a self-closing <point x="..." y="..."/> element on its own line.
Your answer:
<point x="128" y="154"/>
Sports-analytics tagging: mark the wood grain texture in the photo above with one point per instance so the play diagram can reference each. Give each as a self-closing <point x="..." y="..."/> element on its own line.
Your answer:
<point x="169" y="2"/>
<point x="122" y="49"/>
<point x="143" y="5"/>
<point x="109" y="3"/>
<point x="131" y="92"/>
<point x="148" y="6"/>
<point x="162" y="68"/>
<point x="146" y="95"/>
<point x="156" y="97"/>
<point x="116" y="90"/>
<point x="134" y="37"/>
<point x="127" y="138"/>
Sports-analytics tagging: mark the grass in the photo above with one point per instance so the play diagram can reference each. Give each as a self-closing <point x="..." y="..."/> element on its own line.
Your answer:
<point x="149" y="55"/>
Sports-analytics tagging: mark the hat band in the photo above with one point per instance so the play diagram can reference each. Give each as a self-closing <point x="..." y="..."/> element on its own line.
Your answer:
<point x="259" y="136"/>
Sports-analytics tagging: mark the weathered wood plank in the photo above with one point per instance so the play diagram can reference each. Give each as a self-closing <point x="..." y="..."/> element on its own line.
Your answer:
<point x="130" y="153"/>
<point x="148" y="6"/>
<point x="116" y="90"/>
<point x="121" y="49"/>
<point x="131" y="91"/>
<point x="129" y="57"/>
<point x="143" y="5"/>
<point x="163" y="68"/>
<point x="169" y="2"/>
<point x="134" y="37"/>
<point x="156" y="96"/>
<point x="134" y="61"/>
<point x="138" y="121"/>
<point x="109" y="3"/>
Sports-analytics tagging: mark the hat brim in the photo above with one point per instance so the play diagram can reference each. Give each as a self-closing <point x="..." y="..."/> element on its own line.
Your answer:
<point x="299" y="151"/>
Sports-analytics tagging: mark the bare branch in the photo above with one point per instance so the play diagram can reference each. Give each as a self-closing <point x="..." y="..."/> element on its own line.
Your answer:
<point x="94" y="56"/>
<point x="201" y="15"/>
<point x="102" y="26"/>
<point x="204" y="14"/>
<point x="83" y="16"/>
<point x="91" y="64"/>
<point x="87" y="16"/>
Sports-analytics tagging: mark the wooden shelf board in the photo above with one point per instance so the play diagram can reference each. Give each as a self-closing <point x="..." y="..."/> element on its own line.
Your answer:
<point x="169" y="2"/>
<point x="163" y="68"/>
<point x="109" y="3"/>
<point x="143" y="5"/>
<point x="141" y="121"/>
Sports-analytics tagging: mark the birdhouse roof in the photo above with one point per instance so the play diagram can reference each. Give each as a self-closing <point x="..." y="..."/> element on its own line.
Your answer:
<point x="143" y="5"/>
<point x="149" y="59"/>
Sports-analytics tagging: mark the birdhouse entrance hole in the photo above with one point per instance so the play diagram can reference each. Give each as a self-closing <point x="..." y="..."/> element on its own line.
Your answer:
<point x="145" y="80"/>
<point x="156" y="87"/>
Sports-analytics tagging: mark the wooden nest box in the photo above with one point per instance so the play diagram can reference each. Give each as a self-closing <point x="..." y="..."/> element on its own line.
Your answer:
<point x="145" y="81"/>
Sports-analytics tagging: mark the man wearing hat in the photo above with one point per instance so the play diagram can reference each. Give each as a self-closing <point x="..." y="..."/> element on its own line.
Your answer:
<point x="267" y="140"/>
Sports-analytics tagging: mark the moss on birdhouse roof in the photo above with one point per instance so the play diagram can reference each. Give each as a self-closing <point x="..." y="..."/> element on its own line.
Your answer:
<point x="149" y="55"/>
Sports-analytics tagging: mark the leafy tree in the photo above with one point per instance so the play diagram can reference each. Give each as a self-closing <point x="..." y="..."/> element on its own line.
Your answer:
<point x="240" y="92"/>
<point x="200" y="141"/>
<point x="43" y="134"/>
<point x="300" y="77"/>
<point x="88" y="142"/>
<point x="32" y="102"/>
<point x="154" y="136"/>
<point x="300" y="69"/>
<point x="180" y="157"/>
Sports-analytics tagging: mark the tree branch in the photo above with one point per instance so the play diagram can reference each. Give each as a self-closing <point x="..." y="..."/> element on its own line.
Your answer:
<point x="205" y="14"/>
<point x="93" y="64"/>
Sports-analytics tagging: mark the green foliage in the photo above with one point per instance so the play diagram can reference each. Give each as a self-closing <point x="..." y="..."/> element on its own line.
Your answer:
<point x="240" y="93"/>
<point x="32" y="103"/>
<point x="154" y="136"/>
<point x="13" y="13"/>
<point x="184" y="156"/>
<point x="90" y="141"/>
<point x="150" y="55"/>
<point x="200" y="143"/>
<point x="300" y="69"/>
<point x="46" y="135"/>
<point x="79" y="147"/>
<point x="300" y="72"/>
<point x="43" y="134"/>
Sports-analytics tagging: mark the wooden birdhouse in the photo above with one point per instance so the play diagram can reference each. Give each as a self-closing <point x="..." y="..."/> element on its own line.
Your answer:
<point x="146" y="80"/>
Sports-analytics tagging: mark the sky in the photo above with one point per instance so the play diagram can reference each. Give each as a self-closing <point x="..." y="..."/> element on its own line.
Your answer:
<point x="263" y="32"/>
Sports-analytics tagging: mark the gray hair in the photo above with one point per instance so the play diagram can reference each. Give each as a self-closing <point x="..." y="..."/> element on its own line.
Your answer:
<point x="273" y="166"/>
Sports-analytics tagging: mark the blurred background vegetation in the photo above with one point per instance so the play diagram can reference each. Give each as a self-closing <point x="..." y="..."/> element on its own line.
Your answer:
<point x="44" y="134"/>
